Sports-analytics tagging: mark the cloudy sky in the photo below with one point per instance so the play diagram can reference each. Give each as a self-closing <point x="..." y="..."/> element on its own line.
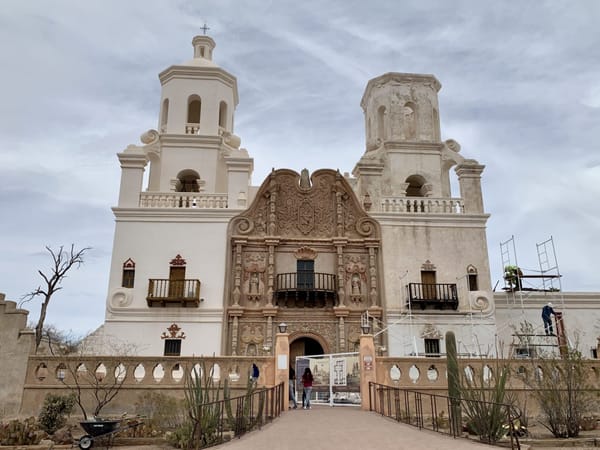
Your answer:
<point x="521" y="94"/>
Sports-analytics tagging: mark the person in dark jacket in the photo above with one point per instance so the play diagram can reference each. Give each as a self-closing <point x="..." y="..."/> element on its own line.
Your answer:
<point x="255" y="373"/>
<point x="547" y="312"/>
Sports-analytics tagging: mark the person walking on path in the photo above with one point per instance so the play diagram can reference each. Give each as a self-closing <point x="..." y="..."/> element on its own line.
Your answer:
<point x="292" y="381"/>
<point x="547" y="312"/>
<point x="307" y="382"/>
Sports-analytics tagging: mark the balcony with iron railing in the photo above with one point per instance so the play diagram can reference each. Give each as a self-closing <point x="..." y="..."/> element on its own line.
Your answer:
<point x="164" y="292"/>
<point x="305" y="290"/>
<point x="438" y="295"/>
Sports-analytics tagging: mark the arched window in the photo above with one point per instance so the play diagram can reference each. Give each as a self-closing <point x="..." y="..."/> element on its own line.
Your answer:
<point x="187" y="181"/>
<point x="164" y="117"/>
<point x="409" y="121"/>
<point x="223" y="115"/>
<point x="193" y="116"/>
<point x="381" y="123"/>
<point x="472" y="278"/>
<point x="128" y="274"/>
<point x="415" y="186"/>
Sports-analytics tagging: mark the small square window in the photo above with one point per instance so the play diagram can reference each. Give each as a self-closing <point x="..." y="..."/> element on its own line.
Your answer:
<point x="432" y="347"/>
<point x="172" y="347"/>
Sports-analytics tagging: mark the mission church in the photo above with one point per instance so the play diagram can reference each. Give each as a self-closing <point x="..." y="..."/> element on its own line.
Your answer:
<point x="205" y="263"/>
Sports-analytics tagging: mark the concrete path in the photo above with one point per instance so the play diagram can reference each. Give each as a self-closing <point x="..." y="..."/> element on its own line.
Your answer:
<point x="341" y="428"/>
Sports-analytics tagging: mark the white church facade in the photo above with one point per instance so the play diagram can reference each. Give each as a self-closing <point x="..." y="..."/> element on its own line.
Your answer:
<point x="205" y="263"/>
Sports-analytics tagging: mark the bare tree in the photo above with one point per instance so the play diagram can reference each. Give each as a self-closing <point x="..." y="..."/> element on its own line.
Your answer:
<point x="63" y="261"/>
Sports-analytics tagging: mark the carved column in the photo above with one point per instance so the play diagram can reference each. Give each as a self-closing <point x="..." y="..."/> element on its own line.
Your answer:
<point x="339" y="245"/>
<point x="271" y="243"/>
<point x="235" y="313"/>
<point x="272" y="202"/>
<point x="269" y="313"/>
<point x="339" y="209"/>
<point x="372" y="274"/>
<point x="237" y="282"/>
<point x="341" y="314"/>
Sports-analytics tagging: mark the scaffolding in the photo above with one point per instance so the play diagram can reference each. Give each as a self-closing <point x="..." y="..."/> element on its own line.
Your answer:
<point x="520" y="285"/>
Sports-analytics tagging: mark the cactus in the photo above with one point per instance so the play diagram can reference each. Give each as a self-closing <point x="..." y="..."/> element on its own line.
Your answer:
<point x="16" y="432"/>
<point x="203" y="408"/>
<point x="243" y="420"/>
<point x="453" y="384"/>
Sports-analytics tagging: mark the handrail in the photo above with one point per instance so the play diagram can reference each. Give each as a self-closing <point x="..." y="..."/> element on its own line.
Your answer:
<point x="431" y="411"/>
<point x="244" y="413"/>
<point x="306" y="281"/>
<point x="433" y="294"/>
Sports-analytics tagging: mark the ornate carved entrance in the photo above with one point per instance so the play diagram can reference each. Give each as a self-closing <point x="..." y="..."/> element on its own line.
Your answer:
<point x="307" y="254"/>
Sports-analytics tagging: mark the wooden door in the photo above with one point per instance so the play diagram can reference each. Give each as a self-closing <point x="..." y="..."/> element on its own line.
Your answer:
<point x="428" y="282"/>
<point x="176" y="282"/>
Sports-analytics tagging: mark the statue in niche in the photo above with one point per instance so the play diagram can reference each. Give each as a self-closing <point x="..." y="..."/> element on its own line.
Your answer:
<point x="254" y="266"/>
<point x="355" y="284"/>
<point x="355" y="277"/>
<point x="254" y="283"/>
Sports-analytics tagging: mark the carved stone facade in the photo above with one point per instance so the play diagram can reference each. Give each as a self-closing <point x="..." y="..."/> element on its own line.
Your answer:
<point x="304" y="245"/>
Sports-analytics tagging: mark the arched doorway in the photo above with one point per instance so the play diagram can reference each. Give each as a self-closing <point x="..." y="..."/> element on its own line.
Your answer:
<point x="305" y="346"/>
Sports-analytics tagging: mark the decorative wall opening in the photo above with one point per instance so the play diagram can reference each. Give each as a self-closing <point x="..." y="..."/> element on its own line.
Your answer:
<point x="223" y="115"/>
<point x="415" y="186"/>
<point x="164" y="115"/>
<point x="194" y="106"/>
<point x="188" y="181"/>
<point x="128" y="279"/>
<point x="472" y="278"/>
<point x="381" y="123"/>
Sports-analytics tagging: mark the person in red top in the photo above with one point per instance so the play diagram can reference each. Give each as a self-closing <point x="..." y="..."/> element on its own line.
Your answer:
<point x="307" y="382"/>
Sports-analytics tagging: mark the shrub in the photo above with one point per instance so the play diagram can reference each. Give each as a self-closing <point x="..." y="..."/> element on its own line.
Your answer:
<point x="161" y="411"/>
<point x="17" y="432"/>
<point x="52" y="416"/>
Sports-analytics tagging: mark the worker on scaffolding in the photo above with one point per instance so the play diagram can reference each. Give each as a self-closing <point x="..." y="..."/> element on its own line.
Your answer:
<point x="547" y="312"/>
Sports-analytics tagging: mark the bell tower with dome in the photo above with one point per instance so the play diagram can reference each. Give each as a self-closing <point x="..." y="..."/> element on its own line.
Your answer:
<point x="168" y="261"/>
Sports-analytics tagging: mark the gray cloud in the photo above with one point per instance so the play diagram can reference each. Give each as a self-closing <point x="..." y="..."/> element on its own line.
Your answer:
<point x="521" y="93"/>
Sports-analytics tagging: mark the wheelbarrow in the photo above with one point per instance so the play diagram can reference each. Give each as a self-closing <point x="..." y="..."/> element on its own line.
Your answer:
<point x="103" y="430"/>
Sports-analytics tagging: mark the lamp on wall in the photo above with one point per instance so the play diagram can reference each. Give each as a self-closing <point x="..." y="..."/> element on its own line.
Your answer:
<point x="282" y="327"/>
<point x="365" y="327"/>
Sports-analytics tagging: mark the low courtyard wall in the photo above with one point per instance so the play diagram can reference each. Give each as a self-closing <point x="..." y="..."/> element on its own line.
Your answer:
<point x="139" y="376"/>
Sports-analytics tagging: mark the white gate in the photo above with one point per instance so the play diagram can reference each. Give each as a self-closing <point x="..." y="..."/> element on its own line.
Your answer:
<point x="336" y="378"/>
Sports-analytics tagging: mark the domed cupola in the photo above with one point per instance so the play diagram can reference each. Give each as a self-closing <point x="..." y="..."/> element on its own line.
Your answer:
<point x="198" y="97"/>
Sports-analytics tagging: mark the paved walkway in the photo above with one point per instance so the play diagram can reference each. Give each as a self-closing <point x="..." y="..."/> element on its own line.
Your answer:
<point x="341" y="428"/>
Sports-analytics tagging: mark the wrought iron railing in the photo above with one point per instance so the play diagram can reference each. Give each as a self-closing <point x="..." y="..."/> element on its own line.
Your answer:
<point x="439" y="295"/>
<point x="301" y="281"/>
<point x="435" y="412"/>
<point x="236" y="416"/>
<point x="164" y="292"/>
<point x="306" y="289"/>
